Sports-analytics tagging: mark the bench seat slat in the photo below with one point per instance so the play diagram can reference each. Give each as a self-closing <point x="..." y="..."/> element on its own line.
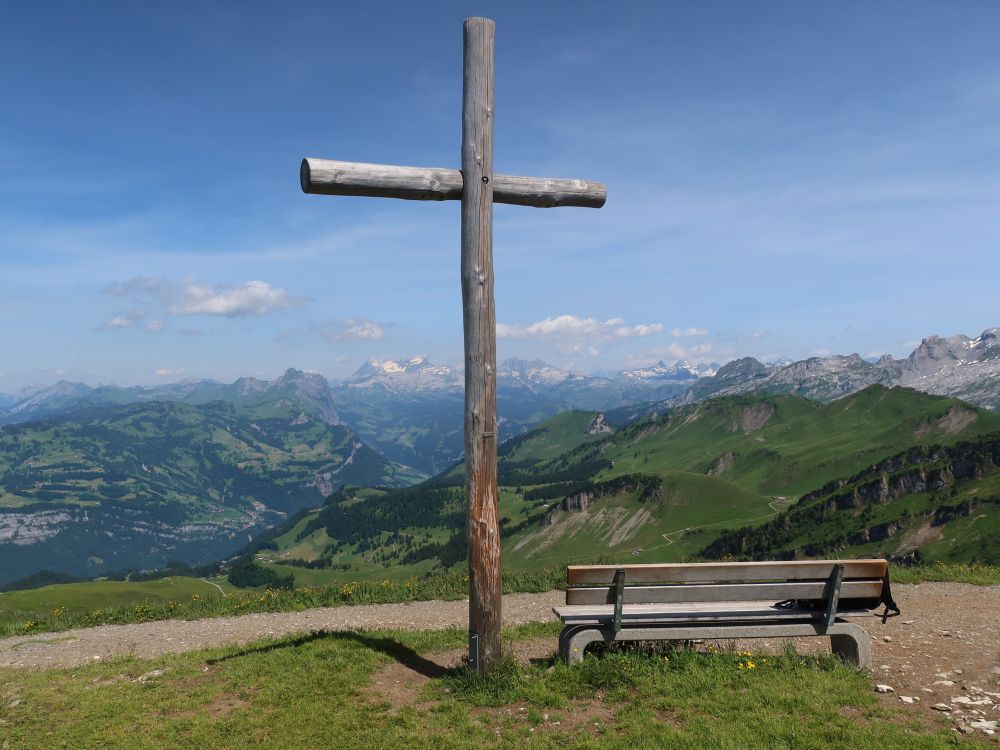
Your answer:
<point x="689" y="612"/>
<point x="791" y="570"/>
<point x="699" y="592"/>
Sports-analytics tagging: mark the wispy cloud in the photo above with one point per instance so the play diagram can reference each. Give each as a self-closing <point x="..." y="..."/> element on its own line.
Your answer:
<point x="684" y="332"/>
<point x="124" y="319"/>
<point x="251" y="298"/>
<point x="169" y="372"/>
<point x="187" y="298"/>
<point x="570" y="326"/>
<point x="357" y="329"/>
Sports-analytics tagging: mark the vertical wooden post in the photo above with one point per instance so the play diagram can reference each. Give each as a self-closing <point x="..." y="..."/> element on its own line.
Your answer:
<point x="479" y="317"/>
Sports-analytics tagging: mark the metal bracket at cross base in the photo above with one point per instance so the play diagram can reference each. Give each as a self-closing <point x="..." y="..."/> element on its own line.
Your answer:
<point x="473" y="651"/>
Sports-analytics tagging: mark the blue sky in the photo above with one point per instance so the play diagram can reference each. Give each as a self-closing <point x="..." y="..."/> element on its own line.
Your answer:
<point x="784" y="179"/>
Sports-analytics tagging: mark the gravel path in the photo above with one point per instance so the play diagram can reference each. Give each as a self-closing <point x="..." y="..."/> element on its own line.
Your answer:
<point x="150" y="639"/>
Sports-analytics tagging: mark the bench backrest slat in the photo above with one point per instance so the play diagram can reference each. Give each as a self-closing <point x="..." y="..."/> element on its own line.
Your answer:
<point x="793" y="570"/>
<point x="723" y="592"/>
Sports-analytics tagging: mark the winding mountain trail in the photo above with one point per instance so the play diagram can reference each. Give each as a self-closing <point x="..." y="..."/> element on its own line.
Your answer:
<point x="785" y="505"/>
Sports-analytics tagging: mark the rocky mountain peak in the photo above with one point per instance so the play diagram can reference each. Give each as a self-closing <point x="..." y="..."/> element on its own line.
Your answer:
<point x="531" y="372"/>
<point x="744" y="368"/>
<point x="936" y="352"/>
<point x="681" y="370"/>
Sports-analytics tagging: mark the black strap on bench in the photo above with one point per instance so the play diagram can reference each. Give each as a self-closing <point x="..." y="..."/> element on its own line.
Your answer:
<point x="619" y="585"/>
<point x="887" y="599"/>
<point x="832" y="594"/>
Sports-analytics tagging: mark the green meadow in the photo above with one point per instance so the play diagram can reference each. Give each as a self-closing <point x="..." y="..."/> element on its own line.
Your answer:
<point x="317" y="690"/>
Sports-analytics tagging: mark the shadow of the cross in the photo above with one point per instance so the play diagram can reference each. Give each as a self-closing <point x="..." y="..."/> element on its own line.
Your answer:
<point x="388" y="646"/>
<point x="401" y="653"/>
<point x="263" y="648"/>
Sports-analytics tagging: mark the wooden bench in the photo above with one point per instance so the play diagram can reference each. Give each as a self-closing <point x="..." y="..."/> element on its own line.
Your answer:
<point x="724" y="600"/>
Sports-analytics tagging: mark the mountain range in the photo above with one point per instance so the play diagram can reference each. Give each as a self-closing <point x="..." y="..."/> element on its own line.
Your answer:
<point x="411" y="410"/>
<point x="94" y="479"/>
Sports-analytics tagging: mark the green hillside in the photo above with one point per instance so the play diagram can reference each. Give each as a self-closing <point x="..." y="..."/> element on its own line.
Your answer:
<point x="931" y="503"/>
<point x="556" y="436"/>
<point x="35" y="604"/>
<point x="785" y="445"/>
<point x="113" y="487"/>
<point x="661" y="489"/>
<point x="203" y="456"/>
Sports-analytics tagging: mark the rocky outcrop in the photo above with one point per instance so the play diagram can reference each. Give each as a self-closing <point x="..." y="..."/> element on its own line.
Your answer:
<point x="722" y="464"/>
<point x="840" y="513"/>
<point x="650" y="489"/>
<point x="598" y="425"/>
<point x="911" y="472"/>
<point x="752" y="418"/>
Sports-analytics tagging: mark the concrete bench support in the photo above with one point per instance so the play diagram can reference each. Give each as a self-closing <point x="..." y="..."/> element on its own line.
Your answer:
<point x="847" y="640"/>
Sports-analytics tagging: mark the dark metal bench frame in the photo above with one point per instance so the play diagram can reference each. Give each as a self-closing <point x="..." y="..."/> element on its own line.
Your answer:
<point x="847" y="640"/>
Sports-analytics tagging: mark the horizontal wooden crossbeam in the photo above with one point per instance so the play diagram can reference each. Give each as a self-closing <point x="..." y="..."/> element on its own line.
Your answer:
<point x="327" y="177"/>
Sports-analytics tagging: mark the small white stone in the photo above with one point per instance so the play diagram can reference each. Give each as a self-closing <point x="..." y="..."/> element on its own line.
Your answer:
<point x="880" y="688"/>
<point x="946" y="683"/>
<point x="967" y="701"/>
<point x="942" y="707"/>
<point x="887" y="639"/>
<point x="907" y="699"/>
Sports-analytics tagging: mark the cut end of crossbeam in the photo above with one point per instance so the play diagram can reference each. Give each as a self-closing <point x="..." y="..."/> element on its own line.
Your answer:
<point x="304" y="175"/>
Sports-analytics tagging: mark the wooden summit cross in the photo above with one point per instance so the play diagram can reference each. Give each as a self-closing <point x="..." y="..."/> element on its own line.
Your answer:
<point x="478" y="188"/>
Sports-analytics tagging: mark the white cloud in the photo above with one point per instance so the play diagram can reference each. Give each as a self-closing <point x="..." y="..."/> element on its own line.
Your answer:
<point x="356" y="329"/>
<point x="169" y="372"/>
<point x="684" y="332"/>
<point x="251" y="298"/>
<point x="572" y="327"/>
<point x="189" y="297"/>
<point x="125" y="319"/>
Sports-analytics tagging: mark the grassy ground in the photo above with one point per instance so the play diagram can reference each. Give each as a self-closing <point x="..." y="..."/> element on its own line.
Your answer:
<point x="73" y="600"/>
<point x="312" y="691"/>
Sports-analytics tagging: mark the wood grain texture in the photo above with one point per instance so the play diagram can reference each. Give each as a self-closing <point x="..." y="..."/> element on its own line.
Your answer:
<point x="718" y="572"/>
<point x="328" y="177"/>
<point x="722" y="592"/>
<point x="479" y="318"/>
